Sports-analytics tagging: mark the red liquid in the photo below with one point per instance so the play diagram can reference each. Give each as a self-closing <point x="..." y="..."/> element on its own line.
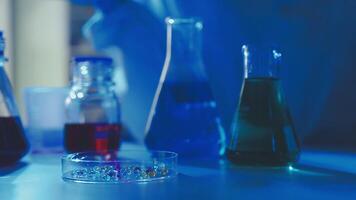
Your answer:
<point x="91" y="137"/>
<point x="13" y="144"/>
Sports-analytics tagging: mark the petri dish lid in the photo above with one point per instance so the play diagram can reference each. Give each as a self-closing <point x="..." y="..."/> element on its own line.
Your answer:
<point x="119" y="166"/>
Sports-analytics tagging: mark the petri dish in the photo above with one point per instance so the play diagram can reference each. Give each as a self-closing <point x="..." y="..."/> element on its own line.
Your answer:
<point x="119" y="166"/>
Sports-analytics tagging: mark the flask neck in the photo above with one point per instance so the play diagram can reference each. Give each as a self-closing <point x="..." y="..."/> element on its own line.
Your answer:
<point x="184" y="48"/>
<point x="2" y="50"/>
<point x="262" y="62"/>
<point x="185" y="44"/>
<point x="2" y="60"/>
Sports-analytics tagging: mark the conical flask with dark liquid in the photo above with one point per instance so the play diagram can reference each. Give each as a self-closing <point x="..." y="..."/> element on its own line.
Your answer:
<point x="262" y="130"/>
<point x="13" y="144"/>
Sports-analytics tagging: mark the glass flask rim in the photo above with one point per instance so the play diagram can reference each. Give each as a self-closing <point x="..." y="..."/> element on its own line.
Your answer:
<point x="184" y="21"/>
<point x="248" y="48"/>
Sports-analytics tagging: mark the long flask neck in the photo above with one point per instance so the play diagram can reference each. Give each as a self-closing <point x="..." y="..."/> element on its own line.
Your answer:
<point x="184" y="46"/>
<point x="2" y="51"/>
<point x="262" y="62"/>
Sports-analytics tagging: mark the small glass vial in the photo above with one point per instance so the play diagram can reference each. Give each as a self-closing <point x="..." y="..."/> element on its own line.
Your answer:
<point x="92" y="107"/>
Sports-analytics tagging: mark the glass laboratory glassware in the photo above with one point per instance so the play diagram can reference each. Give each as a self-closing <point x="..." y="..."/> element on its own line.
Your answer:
<point x="92" y="107"/>
<point x="13" y="143"/>
<point x="262" y="130"/>
<point x="45" y="103"/>
<point x="184" y="117"/>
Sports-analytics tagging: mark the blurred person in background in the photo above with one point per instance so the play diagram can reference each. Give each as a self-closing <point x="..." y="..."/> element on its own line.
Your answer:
<point x="316" y="38"/>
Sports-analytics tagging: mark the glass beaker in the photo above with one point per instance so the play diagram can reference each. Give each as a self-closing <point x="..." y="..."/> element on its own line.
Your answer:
<point x="13" y="143"/>
<point x="45" y="103"/>
<point x="92" y="107"/>
<point x="262" y="130"/>
<point x="184" y="117"/>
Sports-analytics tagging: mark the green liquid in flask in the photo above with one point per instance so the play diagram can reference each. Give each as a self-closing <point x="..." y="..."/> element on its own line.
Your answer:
<point x="262" y="131"/>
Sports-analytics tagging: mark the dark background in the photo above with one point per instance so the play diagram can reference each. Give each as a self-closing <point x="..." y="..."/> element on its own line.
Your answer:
<point x="316" y="38"/>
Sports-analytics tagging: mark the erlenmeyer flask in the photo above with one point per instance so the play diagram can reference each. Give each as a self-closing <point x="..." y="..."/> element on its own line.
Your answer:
<point x="13" y="144"/>
<point x="262" y="130"/>
<point x="184" y="116"/>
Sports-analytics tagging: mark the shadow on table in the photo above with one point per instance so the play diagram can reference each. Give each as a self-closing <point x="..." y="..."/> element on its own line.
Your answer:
<point x="250" y="176"/>
<point x="297" y="169"/>
<point x="314" y="170"/>
<point x="19" y="166"/>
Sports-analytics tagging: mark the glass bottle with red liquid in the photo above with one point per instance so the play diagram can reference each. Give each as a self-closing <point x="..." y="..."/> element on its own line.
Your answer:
<point x="92" y="107"/>
<point x="13" y="143"/>
<point x="262" y="131"/>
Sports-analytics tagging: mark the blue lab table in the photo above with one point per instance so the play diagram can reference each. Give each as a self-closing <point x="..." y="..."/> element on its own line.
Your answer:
<point x="319" y="175"/>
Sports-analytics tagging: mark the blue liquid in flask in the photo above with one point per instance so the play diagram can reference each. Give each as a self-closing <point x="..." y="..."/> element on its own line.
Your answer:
<point x="184" y="117"/>
<point x="186" y="121"/>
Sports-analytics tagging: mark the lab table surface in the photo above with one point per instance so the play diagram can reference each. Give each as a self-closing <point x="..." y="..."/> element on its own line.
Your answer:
<point x="318" y="175"/>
